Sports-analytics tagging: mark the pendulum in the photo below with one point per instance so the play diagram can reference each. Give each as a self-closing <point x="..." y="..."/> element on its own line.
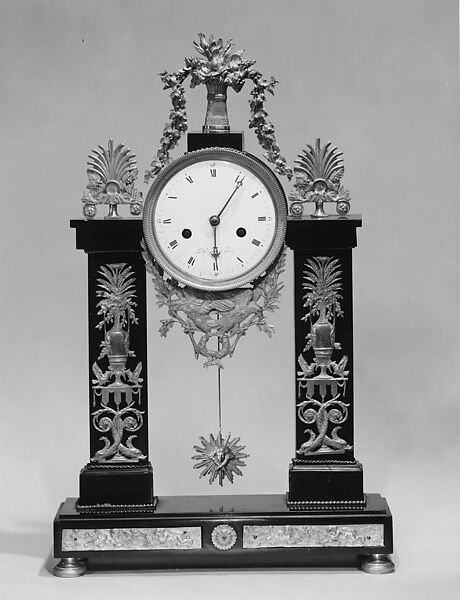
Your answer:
<point x="218" y="456"/>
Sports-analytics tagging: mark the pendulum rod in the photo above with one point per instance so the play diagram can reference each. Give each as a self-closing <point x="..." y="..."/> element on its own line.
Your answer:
<point x="219" y="458"/>
<point x="219" y="389"/>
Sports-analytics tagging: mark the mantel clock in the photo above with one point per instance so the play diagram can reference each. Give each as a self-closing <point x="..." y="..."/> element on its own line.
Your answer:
<point x="215" y="228"/>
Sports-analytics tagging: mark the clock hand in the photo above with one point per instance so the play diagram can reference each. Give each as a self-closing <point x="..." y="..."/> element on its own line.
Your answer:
<point x="215" y="250"/>
<point x="214" y="220"/>
<point x="237" y="187"/>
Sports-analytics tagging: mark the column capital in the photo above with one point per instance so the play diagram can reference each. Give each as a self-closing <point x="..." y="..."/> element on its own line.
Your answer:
<point x="331" y="232"/>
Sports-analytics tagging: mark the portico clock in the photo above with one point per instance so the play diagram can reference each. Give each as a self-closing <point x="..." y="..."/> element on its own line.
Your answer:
<point x="216" y="235"/>
<point x="215" y="219"/>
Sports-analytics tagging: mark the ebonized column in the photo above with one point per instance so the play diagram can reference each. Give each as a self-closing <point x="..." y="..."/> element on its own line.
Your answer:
<point x="118" y="472"/>
<point x="324" y="469"/>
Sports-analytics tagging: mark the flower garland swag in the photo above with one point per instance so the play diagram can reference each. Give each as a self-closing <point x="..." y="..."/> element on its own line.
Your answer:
<point x="218" y="63"/>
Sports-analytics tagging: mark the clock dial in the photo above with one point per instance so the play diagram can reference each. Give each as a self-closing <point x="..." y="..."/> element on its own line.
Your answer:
<point x="215" y="219"/>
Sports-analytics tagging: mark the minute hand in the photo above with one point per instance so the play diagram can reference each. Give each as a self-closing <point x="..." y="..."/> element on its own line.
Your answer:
<point x="237" y="187"/>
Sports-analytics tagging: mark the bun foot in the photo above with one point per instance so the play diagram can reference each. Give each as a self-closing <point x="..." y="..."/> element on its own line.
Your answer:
<point x="378" y="564"/>
<point x="69" y="567"/>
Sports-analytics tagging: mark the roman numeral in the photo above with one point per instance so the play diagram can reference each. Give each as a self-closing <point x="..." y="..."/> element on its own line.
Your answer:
<point x="172" y="197"/>
<point x="261" y="218"/>
<point x="240" y="260"/>
<point x="239" y="179"/>
<point x="191" y="261"/>
<point x="255" y="242"/>
<point x="167" y="221"/>
<point x="173" y="244"/>
<point x="254" y="195"/>
<point x="189" y="179"/>
<point x="215" y="267"/>
<point x="213" y="172"/>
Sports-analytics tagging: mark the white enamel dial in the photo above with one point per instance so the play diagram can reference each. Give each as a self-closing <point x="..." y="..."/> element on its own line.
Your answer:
<point x="215" y="219"/>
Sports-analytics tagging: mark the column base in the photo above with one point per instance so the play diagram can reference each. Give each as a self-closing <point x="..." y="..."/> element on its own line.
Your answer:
<point x="116" y="484"/>
<point x="326" y="482"/>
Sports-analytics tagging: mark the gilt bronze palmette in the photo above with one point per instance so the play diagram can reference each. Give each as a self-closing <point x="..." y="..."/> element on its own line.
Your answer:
<point x="112" y="172"/>
<point x="318" y="173"/>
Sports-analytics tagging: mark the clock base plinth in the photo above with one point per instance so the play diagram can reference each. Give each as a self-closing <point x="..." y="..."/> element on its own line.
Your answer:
<point x="224" y="532"/>
<point x="116" y="484"/>
<point x="326" y="482"/>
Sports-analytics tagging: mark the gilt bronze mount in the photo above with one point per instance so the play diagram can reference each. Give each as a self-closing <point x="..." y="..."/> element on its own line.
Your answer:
<point x="318" y="173"/>
<point x="112" y="172"/>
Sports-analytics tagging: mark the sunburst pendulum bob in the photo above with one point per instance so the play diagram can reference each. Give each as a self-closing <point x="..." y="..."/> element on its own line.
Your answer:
<point x="219" y="457"/>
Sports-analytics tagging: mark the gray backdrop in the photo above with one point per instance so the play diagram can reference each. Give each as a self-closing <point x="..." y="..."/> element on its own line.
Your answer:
<point x="380" y="80"/>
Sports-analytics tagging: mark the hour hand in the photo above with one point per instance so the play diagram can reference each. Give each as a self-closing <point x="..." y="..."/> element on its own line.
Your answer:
<point x="215" y="254"/>
<point x="215" y="250"/>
